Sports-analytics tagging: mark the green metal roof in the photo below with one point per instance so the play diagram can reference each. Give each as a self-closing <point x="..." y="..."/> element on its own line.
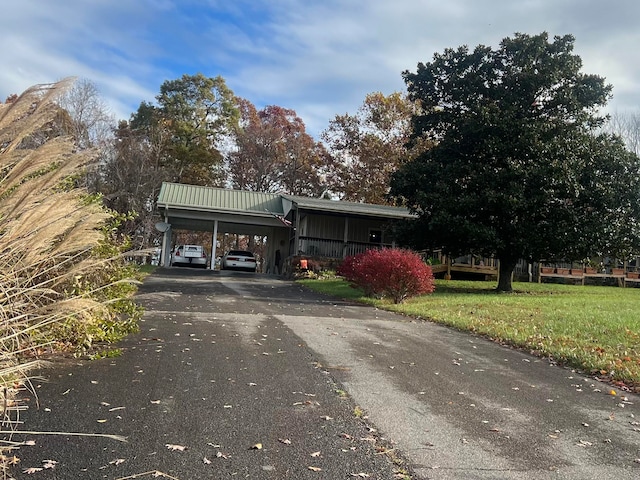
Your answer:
<point x="353" y="208"/>
<point x="210" y="199"/>
<point x="193" y="197"/>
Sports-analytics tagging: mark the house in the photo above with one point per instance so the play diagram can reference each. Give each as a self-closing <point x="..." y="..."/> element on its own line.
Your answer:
<point x="294" y="225"/>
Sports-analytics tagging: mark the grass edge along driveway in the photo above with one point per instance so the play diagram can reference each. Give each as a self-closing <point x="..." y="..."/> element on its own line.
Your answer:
<point x="594" y="329"/>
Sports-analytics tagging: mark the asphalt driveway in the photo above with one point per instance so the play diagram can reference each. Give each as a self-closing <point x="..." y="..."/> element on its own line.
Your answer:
<point x="241" y="375"/>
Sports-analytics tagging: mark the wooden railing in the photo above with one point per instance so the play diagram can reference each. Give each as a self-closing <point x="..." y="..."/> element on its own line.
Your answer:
<point x="580" y="273"/>
<point x="320" y="247"/>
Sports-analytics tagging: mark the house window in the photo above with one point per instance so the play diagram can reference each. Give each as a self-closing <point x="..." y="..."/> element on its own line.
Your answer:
<point x="375" y="236"/>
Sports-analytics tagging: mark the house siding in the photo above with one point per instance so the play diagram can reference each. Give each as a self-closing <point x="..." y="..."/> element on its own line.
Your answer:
<point x="331" y="227"/>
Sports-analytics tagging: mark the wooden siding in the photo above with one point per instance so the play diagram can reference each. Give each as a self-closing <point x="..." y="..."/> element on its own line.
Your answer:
<point x="322" y="226"/>
<point x="332" y="228"/>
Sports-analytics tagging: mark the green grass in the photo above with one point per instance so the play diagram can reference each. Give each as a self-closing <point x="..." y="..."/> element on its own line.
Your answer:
<point x="147" y="269"/>
<point x="595" y="329"/>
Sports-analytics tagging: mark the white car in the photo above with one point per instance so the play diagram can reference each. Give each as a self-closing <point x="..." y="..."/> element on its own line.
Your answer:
<point x="239" y="260"/>
<point x="189" y="256"/>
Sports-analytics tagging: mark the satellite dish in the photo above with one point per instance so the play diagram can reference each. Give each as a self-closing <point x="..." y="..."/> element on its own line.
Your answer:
<point x="162" y="227"/>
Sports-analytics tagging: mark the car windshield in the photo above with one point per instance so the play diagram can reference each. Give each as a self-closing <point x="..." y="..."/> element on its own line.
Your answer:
<point x="240" y="253"/>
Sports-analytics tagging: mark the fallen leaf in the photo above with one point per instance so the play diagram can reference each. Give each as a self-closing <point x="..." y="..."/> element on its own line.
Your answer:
<point x="206" y="461"/>
<point x="173" y="448"/>
<point x="286" y="441"/>
<point x="102" y="420"/>
<point x="155" y="402"/>
<point x="257" y="446"/>
<point x="315" y="469"/>
<point x="316" y="454"/>
<point x="32" y="470"/>
<point x="117" y="461"/>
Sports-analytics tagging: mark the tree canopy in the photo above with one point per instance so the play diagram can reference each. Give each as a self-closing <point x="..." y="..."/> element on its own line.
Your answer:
<point x="369" y="146"/>
<point x="196" y="113"/>
<point x="176" y="140"/>
<point x="519" y="169"/>
<point x="274" y="153"/>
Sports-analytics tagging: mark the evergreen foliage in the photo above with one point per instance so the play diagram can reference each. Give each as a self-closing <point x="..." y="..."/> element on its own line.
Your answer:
<point x="520" y="169"/>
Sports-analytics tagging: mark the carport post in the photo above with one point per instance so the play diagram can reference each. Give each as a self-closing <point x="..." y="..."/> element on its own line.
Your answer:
<point x="214" y="245"/>
<point x="165" y="260"/>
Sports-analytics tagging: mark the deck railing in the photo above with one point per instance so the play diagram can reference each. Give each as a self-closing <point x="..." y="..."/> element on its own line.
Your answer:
<point x="320" y="247"/>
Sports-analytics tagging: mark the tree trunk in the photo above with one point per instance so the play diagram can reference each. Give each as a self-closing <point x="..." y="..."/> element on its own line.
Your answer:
<point x="506" y="272"/>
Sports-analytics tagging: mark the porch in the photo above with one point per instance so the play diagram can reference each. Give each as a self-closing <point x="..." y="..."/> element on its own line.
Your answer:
<point x="322" y="247"/>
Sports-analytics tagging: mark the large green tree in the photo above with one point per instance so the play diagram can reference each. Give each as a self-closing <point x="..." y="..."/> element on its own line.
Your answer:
<point x="519" y="169"/>
<point x="196" y="113"/>
<point x="177" y="139"/>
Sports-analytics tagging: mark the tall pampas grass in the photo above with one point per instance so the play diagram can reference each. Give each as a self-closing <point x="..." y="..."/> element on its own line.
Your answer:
<point x="48" y="231"/>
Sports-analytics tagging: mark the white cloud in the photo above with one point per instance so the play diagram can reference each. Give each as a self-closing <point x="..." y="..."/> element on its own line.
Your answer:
<point x="318" y="58"/>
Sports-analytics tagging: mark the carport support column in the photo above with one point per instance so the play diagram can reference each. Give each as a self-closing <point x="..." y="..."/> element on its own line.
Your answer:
<point x="214" y="245"/>
<point x="346" y="237"/>
<point x="165" y="260"/>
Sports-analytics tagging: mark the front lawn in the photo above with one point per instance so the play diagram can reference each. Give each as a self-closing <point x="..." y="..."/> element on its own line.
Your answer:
<point x="595" y="329"/>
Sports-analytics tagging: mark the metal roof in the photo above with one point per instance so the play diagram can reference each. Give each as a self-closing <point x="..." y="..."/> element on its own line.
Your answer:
<point x="353" y="208"/>
<point x="210" y="199"/>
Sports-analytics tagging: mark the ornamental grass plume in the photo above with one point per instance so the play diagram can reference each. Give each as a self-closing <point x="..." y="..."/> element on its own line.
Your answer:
<point x="49" y="228"/>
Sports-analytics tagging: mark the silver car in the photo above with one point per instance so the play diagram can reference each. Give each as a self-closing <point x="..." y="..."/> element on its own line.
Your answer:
<point x="189" y="256"/>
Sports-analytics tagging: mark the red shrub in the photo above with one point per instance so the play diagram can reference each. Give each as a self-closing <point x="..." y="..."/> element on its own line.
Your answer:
<point x="389" y="272"/>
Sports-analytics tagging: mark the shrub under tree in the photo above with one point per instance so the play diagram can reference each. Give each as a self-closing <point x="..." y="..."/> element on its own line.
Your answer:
<point x="389" y="273"/>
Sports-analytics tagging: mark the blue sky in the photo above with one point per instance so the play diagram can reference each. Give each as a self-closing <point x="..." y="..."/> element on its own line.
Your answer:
<point x="320" y="58"/>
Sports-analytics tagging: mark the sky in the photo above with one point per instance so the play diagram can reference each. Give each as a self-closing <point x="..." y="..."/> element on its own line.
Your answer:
<point x="317" y="57"/>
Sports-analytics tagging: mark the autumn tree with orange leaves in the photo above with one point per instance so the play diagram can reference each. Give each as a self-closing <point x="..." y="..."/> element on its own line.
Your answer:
<point x="369" y="146"/>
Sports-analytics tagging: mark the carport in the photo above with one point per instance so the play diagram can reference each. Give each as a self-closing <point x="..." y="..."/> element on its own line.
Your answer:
<point x="217" y="210"/>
